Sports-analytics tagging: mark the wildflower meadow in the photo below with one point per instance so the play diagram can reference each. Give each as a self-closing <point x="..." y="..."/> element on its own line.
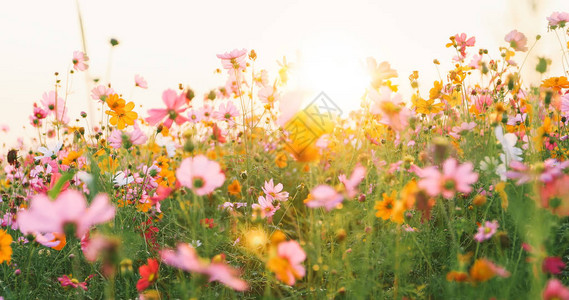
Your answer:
<point x="241" y="192"/>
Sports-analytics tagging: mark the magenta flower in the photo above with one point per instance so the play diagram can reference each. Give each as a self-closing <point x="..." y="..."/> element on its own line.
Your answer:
<point x="274" y="192"/>
<point x="555" y="290"/>
<point x="486" y="231"/>
<point x="454" y="178"/>
<point x="234" y="59"/>
<point x="140" y="82"/>
<point x="70" y="207"/>
<point x="101" y="93"/>
<point x="517" y="40"/>
<point x="173" y="112"/>
<point x="553" y="265"/>
<point x="324" y="196"/>
<point x="200" y="174"/>
<point x="558" y="19"/>
<point x="265" y="208"/>
<point x="186" y="258"/>
<point x="66" y="281"/>
<point x="80" y="61"/>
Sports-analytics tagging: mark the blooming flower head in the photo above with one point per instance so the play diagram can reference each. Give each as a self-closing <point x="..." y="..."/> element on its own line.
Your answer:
<point x="140" y="82"/>
<point x="486" y="231"/>
<point x="391" y="108"/>
<point x="351" y="184"/>
<point x="558" y="19"/>
<point x="55" y="105"/>
<point x="484" y="270"/>
<point x="453" y="178"/>
<point x="517" y="40"/>
<point x="265" y="208"/>
<point x="69" y="281"/>
<point x="553" y="265"/>
<point x="287" y="264"/>
<point x="234" y="59"/>
<point x="50" y="152"/>
<point x="80" y="61"/>
<point x="274" y="192"/>
<point x="121" y="112"/>
<point x="101" y="93"/>
<point x="268" y="95"/>
<point x="324" y="196"/>
<point x="175" y="106"/>
<point x="186" y="258"/>
<point x="70" y="207"/>
<point x="149" y="274"/>
<point x="5" y="246"/>
<point x="226" y="112"/>
<point x="200" y="174"/>
<point x="555" y="290"/>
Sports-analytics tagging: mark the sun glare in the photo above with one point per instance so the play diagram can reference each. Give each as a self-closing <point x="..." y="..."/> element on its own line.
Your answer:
<point x="335" y="66"/>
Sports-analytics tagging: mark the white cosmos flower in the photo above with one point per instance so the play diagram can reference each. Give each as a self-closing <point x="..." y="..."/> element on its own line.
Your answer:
<point x="49" y="152"/>
<point x="508" y="141"/>
<point x="121" y="179"/>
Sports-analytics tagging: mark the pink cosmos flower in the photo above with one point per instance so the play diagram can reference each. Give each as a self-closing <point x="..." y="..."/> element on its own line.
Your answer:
<point x="517" y="40"/>
<point x="462" y="42"/>
<point x="200" y="174"/>
<point x="558" y="19"/>
<point x="351" y="184"/>
<point x="555" y="290"/>
<point x="55" y="107"/>
<point x="265" y="208"/>
<point x="194" y="116"/>
<point x="454" y="178"/>
<point x="80" y="61"/>
<point x="324" y="196"/>
<point x="72" y="282"/>
<point x="391" y="108"/>
<point x="101" y="93"/>
<point x="206" y="112"/>
<point x="70" y="207"/>
<point x="464" y="127"/>
<point x="234" y="59"/>
<point x="135" y="137"/>
<point x="274" y="192"/>
<point x="550" y="170"/>
<point x="140" y="82"/>
<point x="269" y="95"/>
<point x="186" y="258"/>
<point x="226" y="112"/>
<point x="486" y="231"/>
<point x="173" y="111"/>
<point x="295" y="255"/>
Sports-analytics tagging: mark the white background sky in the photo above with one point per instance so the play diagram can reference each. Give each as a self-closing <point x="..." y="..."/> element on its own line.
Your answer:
<point x="171" y="42"/>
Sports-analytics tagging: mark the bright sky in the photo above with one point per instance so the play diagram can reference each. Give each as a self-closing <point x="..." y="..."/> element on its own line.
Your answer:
<point x="172" y="42"/>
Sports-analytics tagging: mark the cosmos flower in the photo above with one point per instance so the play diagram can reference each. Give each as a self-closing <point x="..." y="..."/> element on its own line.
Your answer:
<point x="80" y="61"/>
<point x="101" y="93"/>
<point x="274" y="192"/>
<point x="558" y="19"/>
<point x="517" y="40"/>
<point x="70" y="207"/>
<point x="287" y="264"/>
<point x="324" y="196"/>
<point x="200" y="174"/>
<point x="186" y="258"/>
<point x="234" y="59"/>
<point x="264" y="208"/>
<point x="453" y="178"/>
<point x="486" y="231"/>
<point x="175" y="106"/>
<point x="148" y="274"/>
<point x="555" y="290"/>
<point x="140" y="82"/>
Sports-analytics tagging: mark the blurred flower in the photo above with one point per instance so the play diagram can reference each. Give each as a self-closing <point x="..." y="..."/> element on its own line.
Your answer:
<point x="454" y="178"/>
<point x="287" y="264"/>
<point x="5" y="246"/>
<point x="70" y="207"/>
<point x="351" y="184"/>
<point x="324" y="196"/>
<point x="140" y="82"/>
<point x="484" y="270"/>
<point x="486" y="231"/>
<point x="80" y="61"/>
<point x="234" y="59"/>
<point x="148" y="274"/>
<point x="174" y="108"/>
<point x="553" y="265"/>
<point x="555" y="290"/>
<point x="69" y="281"/>
<point x="379" y="72"/>
<point x="558" y="19"/>
<point x="49" y="152"/>
<point x="200" y="174"/>
<point x="517" y="40"/>
<point x="101" y="93"/>
<point x="186" y="258"/>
